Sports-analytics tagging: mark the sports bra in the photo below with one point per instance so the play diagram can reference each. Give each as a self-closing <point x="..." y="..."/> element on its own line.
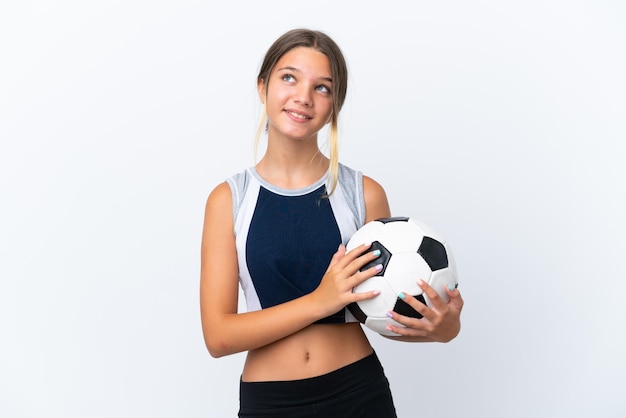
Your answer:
<point x="286" y="238"/>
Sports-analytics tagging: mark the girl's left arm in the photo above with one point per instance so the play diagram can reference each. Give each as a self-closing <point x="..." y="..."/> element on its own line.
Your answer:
<point x="442" y="321"/>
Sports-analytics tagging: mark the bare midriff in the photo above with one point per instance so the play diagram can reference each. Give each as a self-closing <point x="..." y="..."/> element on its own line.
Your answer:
<point x="313" y="351"/>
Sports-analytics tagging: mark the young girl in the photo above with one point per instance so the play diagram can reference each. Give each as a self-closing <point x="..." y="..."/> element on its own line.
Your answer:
<point x="279" y="229"/>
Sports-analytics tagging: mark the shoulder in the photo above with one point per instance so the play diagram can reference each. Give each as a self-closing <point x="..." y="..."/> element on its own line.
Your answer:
<point x="376" y="204"/>
<point x="229" y="194"/>
<point x="372" y="187"/>
<point x="220" y="199"/>
<point x="220" y="192"/>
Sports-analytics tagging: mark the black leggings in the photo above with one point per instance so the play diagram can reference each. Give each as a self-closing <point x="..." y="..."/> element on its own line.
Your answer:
<point x="358" y="390"/>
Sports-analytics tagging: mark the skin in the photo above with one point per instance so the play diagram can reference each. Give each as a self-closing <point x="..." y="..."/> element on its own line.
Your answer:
<point x="281" y="342"/>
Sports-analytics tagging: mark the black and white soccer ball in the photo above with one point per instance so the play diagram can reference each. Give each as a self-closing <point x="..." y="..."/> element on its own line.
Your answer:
<point x="410" y="251"/>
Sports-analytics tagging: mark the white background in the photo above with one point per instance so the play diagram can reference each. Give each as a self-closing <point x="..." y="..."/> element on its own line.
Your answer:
<point x="500" y="123"/>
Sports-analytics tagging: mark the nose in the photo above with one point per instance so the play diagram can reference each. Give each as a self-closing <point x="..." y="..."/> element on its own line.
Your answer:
<point x="303" y="95"/>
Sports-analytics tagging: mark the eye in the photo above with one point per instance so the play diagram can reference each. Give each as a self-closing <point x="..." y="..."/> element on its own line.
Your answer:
<point x="289" y="78"/>
<point x="323" y="88"/>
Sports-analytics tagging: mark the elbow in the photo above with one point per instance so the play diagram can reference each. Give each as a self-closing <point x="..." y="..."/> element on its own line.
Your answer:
<point x="218" y="352"/>
<point x="214" y="341"/>
<point x="215" y="350"/>
<point x="215" y="353"/>
<point x="219" y="340"/>
<point x="217" y="347"/>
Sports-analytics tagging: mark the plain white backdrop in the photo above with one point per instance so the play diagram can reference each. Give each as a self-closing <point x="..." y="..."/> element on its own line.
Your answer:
<point x="502" y="124"/>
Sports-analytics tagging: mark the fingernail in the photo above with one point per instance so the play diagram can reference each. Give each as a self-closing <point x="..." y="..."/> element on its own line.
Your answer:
<point x="420" y="282"/>
<point x="401" y="295"/>
<point x="376" y="253"/>
<point x="389" y="315"/>
<point x="451" y="287"/>
<point x="376" y="292"/>
<point x="378" y="267"/>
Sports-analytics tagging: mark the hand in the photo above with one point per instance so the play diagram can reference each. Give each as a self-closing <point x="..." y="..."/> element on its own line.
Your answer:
<point x="335" y="289"/>
<point x="440" y="323"/>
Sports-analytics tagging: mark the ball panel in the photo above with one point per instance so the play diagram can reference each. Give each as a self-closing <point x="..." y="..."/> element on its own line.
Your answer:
<point x="401" y="237"/>
<point x="378" y="305"/>
<point x="403" y="271"/>
<point x="393" y="219"/>
<point x="427" y="230"/>
<point x="380" y="325"/>
<point x="357" y="312"/>
<point x="405" y="309"/>
<point x="383" y="259"/>
<point x="452" y="263"/>
<point x="434" y="253"/>
<point x="440" y="280"/>
<point x="369" y="232"/>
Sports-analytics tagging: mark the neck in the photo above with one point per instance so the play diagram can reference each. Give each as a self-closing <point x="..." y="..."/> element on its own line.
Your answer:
<point x="295" y="166"/>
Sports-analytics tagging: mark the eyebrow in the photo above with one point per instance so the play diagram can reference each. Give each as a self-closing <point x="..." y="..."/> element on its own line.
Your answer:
<point x="294" y="69"/>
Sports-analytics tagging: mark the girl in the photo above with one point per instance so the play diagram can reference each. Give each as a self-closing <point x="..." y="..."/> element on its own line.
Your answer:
<point x="279" y="229"/>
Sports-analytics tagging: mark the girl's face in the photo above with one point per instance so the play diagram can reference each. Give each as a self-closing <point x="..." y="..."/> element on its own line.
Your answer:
<point x="298" y="94"/>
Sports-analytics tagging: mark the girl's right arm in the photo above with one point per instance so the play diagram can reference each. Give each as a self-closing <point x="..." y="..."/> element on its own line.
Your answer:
<point x="226" y="331"/>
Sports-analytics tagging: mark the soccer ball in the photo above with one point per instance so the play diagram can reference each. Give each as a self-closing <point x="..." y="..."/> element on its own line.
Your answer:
<point x="410" y="251"/>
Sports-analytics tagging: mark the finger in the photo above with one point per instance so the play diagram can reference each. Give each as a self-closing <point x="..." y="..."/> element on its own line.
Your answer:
<point x="456" y="301"/>
<point x="359" y="277"/>
<point x="356" y="297"/>
<point x="409" y="326"/>
<point x="357" y="251"/>
<point x="341" y="251"/>
<point x="363" y="261"/>
<point x="436" y="301"/>
<point x="415" y="330"/>
<point x="416" y="304"/>
<point x="354" y="253"/>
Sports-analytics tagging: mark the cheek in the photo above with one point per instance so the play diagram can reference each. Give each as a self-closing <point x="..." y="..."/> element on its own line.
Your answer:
<point x="274" y="98"/>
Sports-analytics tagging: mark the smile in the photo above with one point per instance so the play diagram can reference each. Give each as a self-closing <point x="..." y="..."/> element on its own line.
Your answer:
<point x="298" y="115"/>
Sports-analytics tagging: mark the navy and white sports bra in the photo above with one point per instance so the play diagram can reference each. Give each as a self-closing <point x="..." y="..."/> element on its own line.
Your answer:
<point x="286" y="238"/>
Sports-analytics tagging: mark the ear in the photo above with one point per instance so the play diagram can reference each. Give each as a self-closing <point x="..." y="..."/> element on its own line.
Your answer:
<point x="260" y="86"/>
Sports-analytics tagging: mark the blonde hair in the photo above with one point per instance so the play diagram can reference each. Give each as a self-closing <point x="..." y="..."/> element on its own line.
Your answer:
<point x="323" y="43"/>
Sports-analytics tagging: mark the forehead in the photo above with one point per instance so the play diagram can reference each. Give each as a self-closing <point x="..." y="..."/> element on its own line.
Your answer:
<point x="306" y="60"/>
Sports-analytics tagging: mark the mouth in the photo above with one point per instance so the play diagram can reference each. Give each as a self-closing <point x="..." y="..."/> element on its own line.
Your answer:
<point x="298" y="115"/>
